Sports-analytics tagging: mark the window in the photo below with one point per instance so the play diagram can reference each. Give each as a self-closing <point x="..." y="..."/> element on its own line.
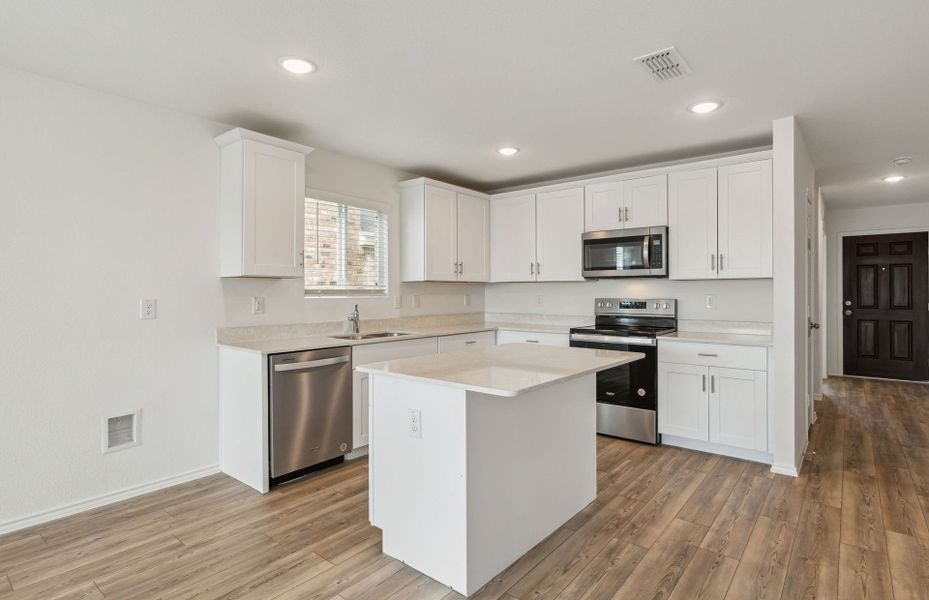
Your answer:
<point x="345" y="250"/>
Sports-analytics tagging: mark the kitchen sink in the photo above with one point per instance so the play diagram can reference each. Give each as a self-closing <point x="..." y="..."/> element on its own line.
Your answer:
<point x="368" y="336"/>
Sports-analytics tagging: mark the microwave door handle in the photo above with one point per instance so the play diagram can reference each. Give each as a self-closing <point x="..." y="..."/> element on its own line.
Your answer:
<point x="646" y="242"/>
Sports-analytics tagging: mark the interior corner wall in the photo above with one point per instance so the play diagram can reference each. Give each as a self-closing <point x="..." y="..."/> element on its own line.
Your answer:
<point x="793" y="184"/>
<point x="106" y="201"/>
<point x="840" y="222"/>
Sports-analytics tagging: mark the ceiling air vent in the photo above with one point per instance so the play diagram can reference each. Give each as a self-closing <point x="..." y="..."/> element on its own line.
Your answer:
<point x="665" y="65"/>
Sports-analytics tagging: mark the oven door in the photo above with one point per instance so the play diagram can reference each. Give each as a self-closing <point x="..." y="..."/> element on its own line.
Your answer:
<point x="625" y="253"/>
<point x="627" y="395"/>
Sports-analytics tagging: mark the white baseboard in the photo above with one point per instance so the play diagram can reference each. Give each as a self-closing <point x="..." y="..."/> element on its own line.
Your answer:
<point x="98" y="501"/>
<point x="785" y="470"/>
<point x="357" y="453"/>
<point x="701" y="446"/>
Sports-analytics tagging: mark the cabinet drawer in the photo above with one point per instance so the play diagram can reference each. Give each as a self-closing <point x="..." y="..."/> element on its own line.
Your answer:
<point x="510" y="336"/>
<point x="713" y="355"/>
<point x="392" y="350"/>
<point x="450" y="343"/>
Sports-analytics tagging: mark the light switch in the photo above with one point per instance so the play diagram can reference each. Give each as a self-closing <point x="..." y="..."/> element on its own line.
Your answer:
<point x="258" y="305"/>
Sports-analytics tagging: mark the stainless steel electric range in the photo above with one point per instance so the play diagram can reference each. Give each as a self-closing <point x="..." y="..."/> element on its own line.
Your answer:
<point x="627" y="396"/>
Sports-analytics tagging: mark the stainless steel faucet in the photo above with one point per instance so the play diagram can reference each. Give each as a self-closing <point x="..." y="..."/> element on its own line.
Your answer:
<point x="353" y="318"/>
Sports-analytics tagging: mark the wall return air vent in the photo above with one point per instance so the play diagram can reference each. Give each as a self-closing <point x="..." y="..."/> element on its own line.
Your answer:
<point x="121" y="432"/>
<point x="665" y="65"/>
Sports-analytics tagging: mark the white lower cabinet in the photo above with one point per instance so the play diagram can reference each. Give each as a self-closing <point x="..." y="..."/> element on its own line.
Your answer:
<point x="682" y="401"/>
<point x="738" y="407"/>
<point x="463" y="341"/>
<point x="721" y="408"/>
<point x="511" y="336"/>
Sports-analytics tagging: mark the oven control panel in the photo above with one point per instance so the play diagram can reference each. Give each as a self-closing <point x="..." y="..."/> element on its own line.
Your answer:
<point x="659" y="307"/>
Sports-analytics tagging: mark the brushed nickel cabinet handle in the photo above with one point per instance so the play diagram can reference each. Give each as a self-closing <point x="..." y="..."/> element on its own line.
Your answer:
<point x="712" y="262"/>
<point x="712" y="384"/>
<point x="704" y="383"/>
<point x="706" y="354"/>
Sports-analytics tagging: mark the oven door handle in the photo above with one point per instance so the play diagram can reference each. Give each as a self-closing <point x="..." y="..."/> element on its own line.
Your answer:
<point x="613" y="339"/>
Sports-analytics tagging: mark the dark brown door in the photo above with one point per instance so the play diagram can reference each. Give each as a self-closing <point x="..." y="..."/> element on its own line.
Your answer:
<point x="885" y="307"/>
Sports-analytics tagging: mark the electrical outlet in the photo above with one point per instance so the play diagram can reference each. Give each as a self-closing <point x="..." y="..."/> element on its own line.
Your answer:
<point x="415" y="423"/>
<point x="258" y="305"/>
<point x="414" y="301"/>
<point x="467" y="299"/>
<point x="710" y="303"/>
<point x="147" y="309"/>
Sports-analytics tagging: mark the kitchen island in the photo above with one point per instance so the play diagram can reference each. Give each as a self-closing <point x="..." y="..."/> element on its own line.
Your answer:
<point x="478" y="455"/>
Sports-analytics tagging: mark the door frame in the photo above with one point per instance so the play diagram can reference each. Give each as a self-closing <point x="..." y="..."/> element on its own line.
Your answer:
<point x="839" y="283"/>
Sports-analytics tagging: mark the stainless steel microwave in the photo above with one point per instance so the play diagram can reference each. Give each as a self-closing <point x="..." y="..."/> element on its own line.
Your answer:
<point x="626" y="253"/>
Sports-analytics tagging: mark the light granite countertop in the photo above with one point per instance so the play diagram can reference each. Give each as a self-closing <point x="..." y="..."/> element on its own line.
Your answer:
<point x="321" y="341"/>
<point x="506" y="370"/>
<point x="318" y="342"/>
<point x="735" y="339"/>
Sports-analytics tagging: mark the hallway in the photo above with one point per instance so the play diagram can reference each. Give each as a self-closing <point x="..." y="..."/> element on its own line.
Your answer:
<point x="867" y="493"/>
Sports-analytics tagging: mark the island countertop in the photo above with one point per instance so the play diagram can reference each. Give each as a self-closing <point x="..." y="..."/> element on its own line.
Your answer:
<point x="504" y="370"/>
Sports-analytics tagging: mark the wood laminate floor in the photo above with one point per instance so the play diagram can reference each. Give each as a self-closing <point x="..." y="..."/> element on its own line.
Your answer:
<point x="667" y="523"/>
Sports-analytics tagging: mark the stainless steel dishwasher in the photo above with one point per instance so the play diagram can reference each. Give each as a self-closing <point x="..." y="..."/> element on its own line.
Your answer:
<point x="311" y="409"/>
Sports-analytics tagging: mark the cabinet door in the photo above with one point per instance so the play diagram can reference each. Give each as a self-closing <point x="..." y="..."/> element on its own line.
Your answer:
<point x="441" y="224"/>
<point x="746" y="212"/>
<point x="272" y="211"/>
<point x="473" y="238"/>
<point x="559" y="226"/>
<point x="512" y="238"/>
<point x="692" y="224"/>
<point x="739" y="408"/>
<point x="603" y="206"/>
<point x="683" y="408"/>
<point x="360" y="413"/>
<point x="645" y="201"/>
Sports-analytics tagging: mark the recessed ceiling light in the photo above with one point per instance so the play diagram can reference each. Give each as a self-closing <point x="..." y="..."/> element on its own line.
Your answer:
<point x="707" y="106"/>
<point x="298" y="66"/>
<point x="903" y="160"/>
<point x="508" y="151"/>
<point x="892" y="178"/>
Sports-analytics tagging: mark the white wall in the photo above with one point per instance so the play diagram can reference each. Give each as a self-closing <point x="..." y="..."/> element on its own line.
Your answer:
<point x="106" y="201"/>
<point x="858" y="221"/>
<point x="793" y="184"/>
<point x="736" y="300"/>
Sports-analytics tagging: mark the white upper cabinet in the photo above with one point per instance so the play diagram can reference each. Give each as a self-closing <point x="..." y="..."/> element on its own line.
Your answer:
<point x="692" y="224"/>
<point x="473" y="238"/>
<point x="441" y="231"/>
<point x="559" y="225"/>
<point x="603" y="206"/>
<point x="745" y="220"/>
<point x="444" y="233"/>
<point x="512" y="238"/>
<point x="262" y="191"/>
<point x="641" y="202"/>
<point x="645" y="201"/>
<point x="720" y="222"/>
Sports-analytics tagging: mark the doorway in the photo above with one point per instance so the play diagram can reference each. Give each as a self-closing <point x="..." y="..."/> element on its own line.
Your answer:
<point x="885" y="306"/>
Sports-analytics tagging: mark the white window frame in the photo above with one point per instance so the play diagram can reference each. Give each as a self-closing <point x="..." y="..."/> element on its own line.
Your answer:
<point x="383" y="207"/>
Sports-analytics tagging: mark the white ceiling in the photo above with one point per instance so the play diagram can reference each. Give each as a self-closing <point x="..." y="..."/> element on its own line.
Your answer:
<point x="433" y="87"/>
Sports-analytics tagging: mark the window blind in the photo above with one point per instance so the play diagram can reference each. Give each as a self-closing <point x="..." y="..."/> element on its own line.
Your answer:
<point x="345" y="249"/>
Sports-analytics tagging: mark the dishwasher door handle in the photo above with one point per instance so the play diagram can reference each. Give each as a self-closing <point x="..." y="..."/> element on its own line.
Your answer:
<point x="310" y="364"/>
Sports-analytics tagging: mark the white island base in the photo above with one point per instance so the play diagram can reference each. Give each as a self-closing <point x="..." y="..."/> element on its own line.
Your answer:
<point x="490" y="477"/>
